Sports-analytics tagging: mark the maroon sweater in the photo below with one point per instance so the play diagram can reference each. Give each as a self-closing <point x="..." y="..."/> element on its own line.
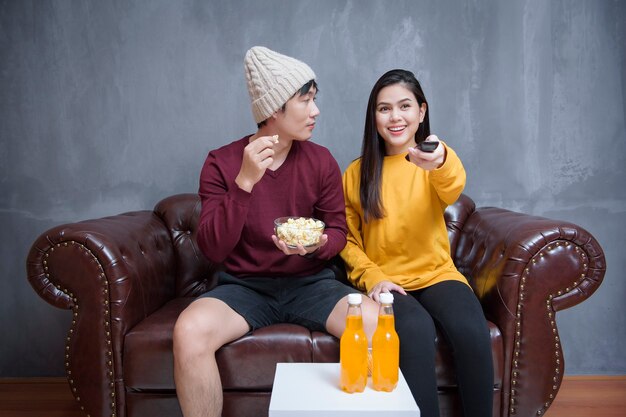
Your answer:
<point x="235" y="226"/>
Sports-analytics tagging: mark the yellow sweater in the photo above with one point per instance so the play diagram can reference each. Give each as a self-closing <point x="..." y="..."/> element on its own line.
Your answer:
<point x="409" y="246"/>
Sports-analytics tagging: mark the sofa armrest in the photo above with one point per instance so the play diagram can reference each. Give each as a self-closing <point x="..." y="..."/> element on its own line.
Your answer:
<point x="112" y="273"/>
<point x="523" y="269"/>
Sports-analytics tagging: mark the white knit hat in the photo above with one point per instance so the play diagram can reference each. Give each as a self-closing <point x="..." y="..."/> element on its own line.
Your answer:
<point x="273" y="79"/>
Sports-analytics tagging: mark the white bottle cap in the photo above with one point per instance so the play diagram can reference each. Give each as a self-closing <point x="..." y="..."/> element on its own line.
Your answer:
<point x="386" y="298"/>
<point x="354" y="299"/>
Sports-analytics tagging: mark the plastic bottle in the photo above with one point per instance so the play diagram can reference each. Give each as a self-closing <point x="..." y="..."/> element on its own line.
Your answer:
<point x="353" y="349"/>
<point x="385" y="347"/>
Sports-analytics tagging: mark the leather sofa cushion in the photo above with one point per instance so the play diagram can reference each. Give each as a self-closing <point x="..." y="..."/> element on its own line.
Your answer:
<point x="249" y="363"/>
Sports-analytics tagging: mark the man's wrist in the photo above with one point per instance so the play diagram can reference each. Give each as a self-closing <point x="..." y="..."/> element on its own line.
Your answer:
<point x="310" y="255"/>
<point x="244" y="185"/>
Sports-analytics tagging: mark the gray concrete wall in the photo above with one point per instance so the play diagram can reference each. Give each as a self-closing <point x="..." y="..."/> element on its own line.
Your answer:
<point x="109" y="106"/>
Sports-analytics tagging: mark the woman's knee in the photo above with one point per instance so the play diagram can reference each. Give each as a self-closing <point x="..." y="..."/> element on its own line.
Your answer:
<point x="414" y="325"/>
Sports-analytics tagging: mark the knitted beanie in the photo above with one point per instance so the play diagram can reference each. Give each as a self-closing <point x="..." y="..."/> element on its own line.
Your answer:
<point x="273" y="79"/>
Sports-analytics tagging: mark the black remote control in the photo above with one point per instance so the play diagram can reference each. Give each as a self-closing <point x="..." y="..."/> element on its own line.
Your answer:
<point x="429" y="146"/>
<point x="424" y="146"/>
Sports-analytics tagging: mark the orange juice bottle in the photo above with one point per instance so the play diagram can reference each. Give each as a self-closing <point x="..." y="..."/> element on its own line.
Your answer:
<point x="385" y="347"/>
<point x="353" y="348"/>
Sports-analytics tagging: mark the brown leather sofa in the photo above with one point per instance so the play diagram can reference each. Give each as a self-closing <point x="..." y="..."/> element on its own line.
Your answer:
<point x="127" y="277"/>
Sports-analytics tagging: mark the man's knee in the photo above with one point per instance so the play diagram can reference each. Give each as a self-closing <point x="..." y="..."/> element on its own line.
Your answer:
<point x="196" y="332"/>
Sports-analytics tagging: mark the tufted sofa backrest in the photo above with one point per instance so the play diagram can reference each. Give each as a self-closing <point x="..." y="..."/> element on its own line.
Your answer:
<point x="456" y="215"/>
<point x="194" y="272"/>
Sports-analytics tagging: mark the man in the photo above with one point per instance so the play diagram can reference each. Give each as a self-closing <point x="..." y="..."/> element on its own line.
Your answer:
<point x="244" y="186"/>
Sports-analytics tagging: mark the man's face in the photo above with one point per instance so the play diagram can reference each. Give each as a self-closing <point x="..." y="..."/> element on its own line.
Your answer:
<point x="298" y="120"/>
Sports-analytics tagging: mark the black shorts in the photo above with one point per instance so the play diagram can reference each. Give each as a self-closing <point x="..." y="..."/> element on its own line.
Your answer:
<point x="307" y="301"/>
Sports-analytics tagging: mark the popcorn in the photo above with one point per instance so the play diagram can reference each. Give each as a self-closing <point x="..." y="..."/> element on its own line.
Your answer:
<point x="299" y="230"/>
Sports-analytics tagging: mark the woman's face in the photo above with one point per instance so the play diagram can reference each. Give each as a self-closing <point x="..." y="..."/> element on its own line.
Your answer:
<point x="398" y="116"/>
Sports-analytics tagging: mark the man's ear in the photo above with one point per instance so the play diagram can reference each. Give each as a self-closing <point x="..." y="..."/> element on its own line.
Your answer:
<point x="276" y="113"/>
<point x="273" y="118"/>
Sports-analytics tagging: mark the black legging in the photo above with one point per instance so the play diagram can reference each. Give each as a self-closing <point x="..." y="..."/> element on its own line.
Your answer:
<point x="455" y="310"/>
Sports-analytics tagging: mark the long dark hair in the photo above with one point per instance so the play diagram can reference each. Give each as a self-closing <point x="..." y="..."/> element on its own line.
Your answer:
<point x="373" y="148"/>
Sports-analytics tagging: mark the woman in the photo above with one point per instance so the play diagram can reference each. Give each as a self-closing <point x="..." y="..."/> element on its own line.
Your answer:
<point x="397" y="242"/>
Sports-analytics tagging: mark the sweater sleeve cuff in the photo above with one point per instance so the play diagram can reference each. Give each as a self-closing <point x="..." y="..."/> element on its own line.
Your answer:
<point x="373" y="277"/>
<point x="238" y="195"/>
<point x="448" y="166"/>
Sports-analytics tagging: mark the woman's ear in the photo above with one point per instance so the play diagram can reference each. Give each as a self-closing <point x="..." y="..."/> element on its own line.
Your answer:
<point x="423" y="108"/>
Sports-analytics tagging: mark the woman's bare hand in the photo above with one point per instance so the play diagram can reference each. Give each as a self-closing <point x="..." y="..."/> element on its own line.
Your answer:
<point x="384" y="286"/>
<point x="428" y="160"/>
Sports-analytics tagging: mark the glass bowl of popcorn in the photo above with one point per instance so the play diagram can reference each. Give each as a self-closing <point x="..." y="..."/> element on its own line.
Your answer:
<point x="293" y="230"/>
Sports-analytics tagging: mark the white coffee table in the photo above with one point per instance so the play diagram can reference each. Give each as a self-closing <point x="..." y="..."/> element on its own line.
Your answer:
<point x="312" y="390"/>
